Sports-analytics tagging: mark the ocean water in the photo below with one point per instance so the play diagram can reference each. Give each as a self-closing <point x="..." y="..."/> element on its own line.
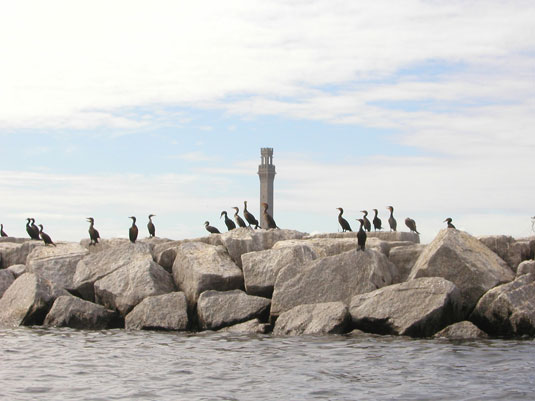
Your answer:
<point x="66" y="364"/>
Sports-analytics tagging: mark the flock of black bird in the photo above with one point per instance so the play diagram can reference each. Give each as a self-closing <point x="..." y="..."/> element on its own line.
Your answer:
<point x="36" y="232"/>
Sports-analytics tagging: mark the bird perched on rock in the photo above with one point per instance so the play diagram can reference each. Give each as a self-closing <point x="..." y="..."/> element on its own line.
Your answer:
<point x="93" y="233"/>
<point x="249" y="216"/>
<point x="211" y="229"/>
<point x="411" y="224"/>
<point x="361" y="236"/>
<point x="32" y="229"/>
<point x="228" y="222"/>
<point x="367" y="224"/>
<point x="391" y="220"/>
<point x="343" y="222"/>
<point x="449" y="220"/>
<point x="239" y="220"/>
<point x="376" y="221"/>
<point x="268" y="218"/>
<point x="133" y="231"/>
<point x="45" y="237"/>
<point x="2" y="232"/>
<point x="150" y="226"/>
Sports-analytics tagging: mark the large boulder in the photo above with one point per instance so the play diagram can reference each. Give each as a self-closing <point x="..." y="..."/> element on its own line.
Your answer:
<point x="525" y="267"/>
<point x="388" y="236"/>
<point x="331" y="279"/>
<point x="460" y="258"/>
<point x="16" y="253"/>
<point x="404" y="257"/>
<point x="159" y="312"/>
<point x="510" y="250"/>
<point x="69" y="311"/>
<point x="324" y="318"/>
<point x="253" y="326"/>
<point x="464" y="330"/>
<point x="217" y="309"/>
<point x="6" y="279"/>
<point x="124" y="288"/>
<point x="416" y="308"/>
<point x="165" y="253"/>
<point x="56" y="263"/>
<point x="508" y="309"/>
<point x="199" y="267"/>
<point x="13" y="239"/>
<point x="17" y="270"/>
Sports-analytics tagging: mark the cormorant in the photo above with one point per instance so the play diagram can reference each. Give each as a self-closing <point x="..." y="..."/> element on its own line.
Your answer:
<point x="45" y="237"/>
<point x="132" y="232"/>
<point x="249" y="217"/>
<point x="228" y="222"/>
<point x="150" y="226"/>
<point x="30" y="229"/>
<point x="411" y="224"/>
<point x="2" y="232"/>
<point x="238" y="219"/>
<point x="35" y="229"/>
<point x="93" y="233"/>
<point x="361" y="236"/>
<point x="267" y="217"/>
<point x="376" y="221"/>
<point x="343" y="222"/>
<point x="391" y="220"/>
<point x="449" y="220"/>
<point x="367" y="224"/>
<point x="211" y="229"/>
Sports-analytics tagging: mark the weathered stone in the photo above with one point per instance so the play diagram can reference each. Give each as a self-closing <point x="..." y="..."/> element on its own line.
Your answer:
<point x="216" y="309"/>
<point x="56" y="263"/>
<point x="508" y="309"/>
<point x="160" y="312"/>
<point x="15" y="253"/>
<point x="253" y="326"/>
<point x="165" y="253"/>
<point x="69" y="311"/>
<point x="510" y="250"/>
<point x="13" y="239"/>
<point x="199" y="267"/>
<point x="26" y="301"/>
<point x="525" y="267"/>
<point x="324" y="318"/>
<point x="331" y="279"/>
<point x="416" y="308"/>
<point x="124" y="288"/>
<point x="404" y="257"/>
<point x="465" y="261"/>
<point x="6" y="279"/>
<point x="17" y="270"/>
<point x="388" y="236"/>
<point x="104" y="244"/>
<point x="464" y="330"/>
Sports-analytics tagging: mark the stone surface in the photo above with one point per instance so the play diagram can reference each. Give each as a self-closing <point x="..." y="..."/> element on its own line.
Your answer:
<point x="16" y="253"/>
<point x="525" y="267"/>
<point x="460" y="258"/>
<point x="160" y="312"/>
<point x="416" y="308"/>
<point x="331" y="279"/>
<point x="404" y="257"/>
<point x="6" y="279"/>
<point x="217" y="309"/>
<point x="69" y="311"/>
<point x="508" y="309"/>
<point x="56" y="263"/>
<point x="165" y="253"/>
<point x="17" y="270"/>
<point x="464" y="330"/>
<point x="13" y="239"/>
<point x="199" y="267"/>
<point x="324" y="318"/>
<point x="510" y="250"/>
<point x="124" y="288"/>
<point x="382" y="235"/>
<point x="253" y="326"/>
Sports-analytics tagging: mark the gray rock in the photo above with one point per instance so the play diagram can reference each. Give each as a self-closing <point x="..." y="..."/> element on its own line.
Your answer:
<point x="404" y="257"/>
<point x="13" y="239"/>
<point x="525" y="267"/>
<point x="160" y="312"/>
<point x="217" y="309"/>
<point x="16" y="253"/>
<point x="6" y="279"/>
<point x="331" y="279"/>
<point x="508" y="309"/>
<point x="253" y="326"/>
<point x="382" y="235"/>
<point x="464" y="330"/>
<point x="199" y="267"/>
<point x="104" y="244"/>
<point x="124" y="288"/>
<point x="510" y="250"/>
<point x="26" y="301"/>
<point x="460" y="258"/>
<point x="56" y="263"/>
<point x="69" y="311"/>
<point x="165" y="253"/>
<point x="17" y="270"/>
<point x="416" y="308"/>
<point x="325" y="318"/>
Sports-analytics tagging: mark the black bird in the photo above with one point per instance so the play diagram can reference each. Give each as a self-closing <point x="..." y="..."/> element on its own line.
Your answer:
<point x="343" y="222"/>
<point x="228" y="222"/>
<point x="376" y="221"/>
<point x="367" y="224"/>
<point x="45" y="237"/>
<point x="411" y="224"/>
<point x="238" y="219"/>
<point x="93" y="233"/>
<point x="391" y="220"/>
<point x="267" y="217"/>
<point x="132" y="232"/>
<point x="449" y="220"/>
<point x="150" y="226"/>
<point x="361" y="236"/>
<point x="35" y="230"/>
<point x="211" y="229"/>
<point x="248" y="216"/>
<point x="2" y="232"/>
<point x="30" y="229"/>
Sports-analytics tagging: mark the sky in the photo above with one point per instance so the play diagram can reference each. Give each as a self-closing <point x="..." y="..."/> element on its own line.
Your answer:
<point x="113" y="109"/>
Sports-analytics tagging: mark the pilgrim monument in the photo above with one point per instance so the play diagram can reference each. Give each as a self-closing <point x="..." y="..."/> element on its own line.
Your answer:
<point x="266" y="172"/>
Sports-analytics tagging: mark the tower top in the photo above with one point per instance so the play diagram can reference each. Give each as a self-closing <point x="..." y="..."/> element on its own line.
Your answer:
<point x="266" y="156"/>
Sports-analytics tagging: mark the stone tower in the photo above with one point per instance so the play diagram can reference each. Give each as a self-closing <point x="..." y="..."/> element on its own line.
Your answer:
<point x="266" y="172"/>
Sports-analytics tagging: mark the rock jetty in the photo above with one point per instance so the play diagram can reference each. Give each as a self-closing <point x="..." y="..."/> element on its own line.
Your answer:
<point x="282" y="282"/>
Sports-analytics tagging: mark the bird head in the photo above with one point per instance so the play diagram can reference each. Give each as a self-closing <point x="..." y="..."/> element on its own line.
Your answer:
<point x="206" y="223"/>
<point x="152" y="215"/>
<point x="223" y="213"/>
